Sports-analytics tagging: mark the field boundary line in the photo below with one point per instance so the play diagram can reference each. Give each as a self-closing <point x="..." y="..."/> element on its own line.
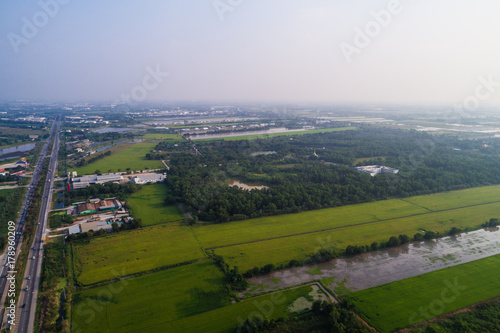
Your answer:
<point x="295" y="286"/>
<point x="364" y="322"/>
<point x="82" y="287"/>
<point x="161" y="223"/>
<point x="352" y="225"/>
<point x="414" y="204"/>
<point x="199" y="242"/>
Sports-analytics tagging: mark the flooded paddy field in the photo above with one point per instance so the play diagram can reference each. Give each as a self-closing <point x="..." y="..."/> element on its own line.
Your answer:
<point x="16" y="151"/>
<point x="379" y="267"/>
<point x="243" y="133"/>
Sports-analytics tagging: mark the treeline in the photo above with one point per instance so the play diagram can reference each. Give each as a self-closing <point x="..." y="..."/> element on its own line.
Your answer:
<point x="53" y="316"/>
<point x="12" y="139"/>
<point x="169" y="145"/>
<point x="233" y="276"/>
<point x="306" y="182"/>
<point x="100" y="137"/>
<point x="10" y="177"/>
<point x="329" y="253"/>
<point x="107" y="190"/>
<point x="400" y="240"/>
<point x="491" y="223"/>
<point x="23" y="124"/>
<point x="156" y="156"/>
<point x="320" y="256"/>
<point x="93" y="159"/>
<point x="10" y="205"/>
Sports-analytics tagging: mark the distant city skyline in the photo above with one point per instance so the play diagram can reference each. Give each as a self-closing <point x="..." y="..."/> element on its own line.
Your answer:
<point x="286" y="51"/>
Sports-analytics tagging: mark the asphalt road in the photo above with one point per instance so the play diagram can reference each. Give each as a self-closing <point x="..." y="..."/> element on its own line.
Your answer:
<point x="33" y="272"/>
<point x="27" y="317"/>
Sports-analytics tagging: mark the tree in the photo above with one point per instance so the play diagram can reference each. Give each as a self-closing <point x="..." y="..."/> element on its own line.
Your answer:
<point x="393" y="241"/>
<point x="97" y="172"/>
<point x="430" y="235"/>
<point x="418" y="237"/>
<point x="403" y="239"/>
<point x="169" y="200"/>
<point x="136" y="223"/>
<point x="115" y="226"/>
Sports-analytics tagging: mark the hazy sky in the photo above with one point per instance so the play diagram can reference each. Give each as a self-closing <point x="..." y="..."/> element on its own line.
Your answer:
<point x="267" y="50"/>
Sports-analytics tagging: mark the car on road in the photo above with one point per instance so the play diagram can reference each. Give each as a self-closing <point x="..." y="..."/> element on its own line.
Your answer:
<point x="33" y="258"/>
<point x="29" y="277"/>
<point x="26" y="289"/>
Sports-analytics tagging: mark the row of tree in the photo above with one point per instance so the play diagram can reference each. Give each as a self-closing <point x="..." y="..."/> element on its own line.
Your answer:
<point x="83" y="161"/>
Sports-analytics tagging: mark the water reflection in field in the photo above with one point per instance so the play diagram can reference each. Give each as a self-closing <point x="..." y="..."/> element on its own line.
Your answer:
<point x="379" y="267"/>
<point x="16" y="151"/>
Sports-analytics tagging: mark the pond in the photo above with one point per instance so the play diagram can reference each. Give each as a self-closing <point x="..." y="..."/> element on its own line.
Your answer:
<point x="16" y="151"/>
<point x="59" y="204"/>
<point x="109" y="146"/>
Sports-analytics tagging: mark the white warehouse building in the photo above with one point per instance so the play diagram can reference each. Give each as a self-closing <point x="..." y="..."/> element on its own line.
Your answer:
<point x="85" y="181"/>
<point x="150" y="178"/>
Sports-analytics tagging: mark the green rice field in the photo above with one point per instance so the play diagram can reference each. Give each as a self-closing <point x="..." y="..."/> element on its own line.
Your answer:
<point x="229" y="318"/>
<point x="290" y="224"/>
<point x="409" y="301"/>
<point x="453" y="199"/>
<point x="129" y="252"/>
<point x="148" y="205"/>
<point x="151" y="300"/>
<point x="282" y="250"/>
<point x="276" y="239"/>
<point x="131" y="157"/>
